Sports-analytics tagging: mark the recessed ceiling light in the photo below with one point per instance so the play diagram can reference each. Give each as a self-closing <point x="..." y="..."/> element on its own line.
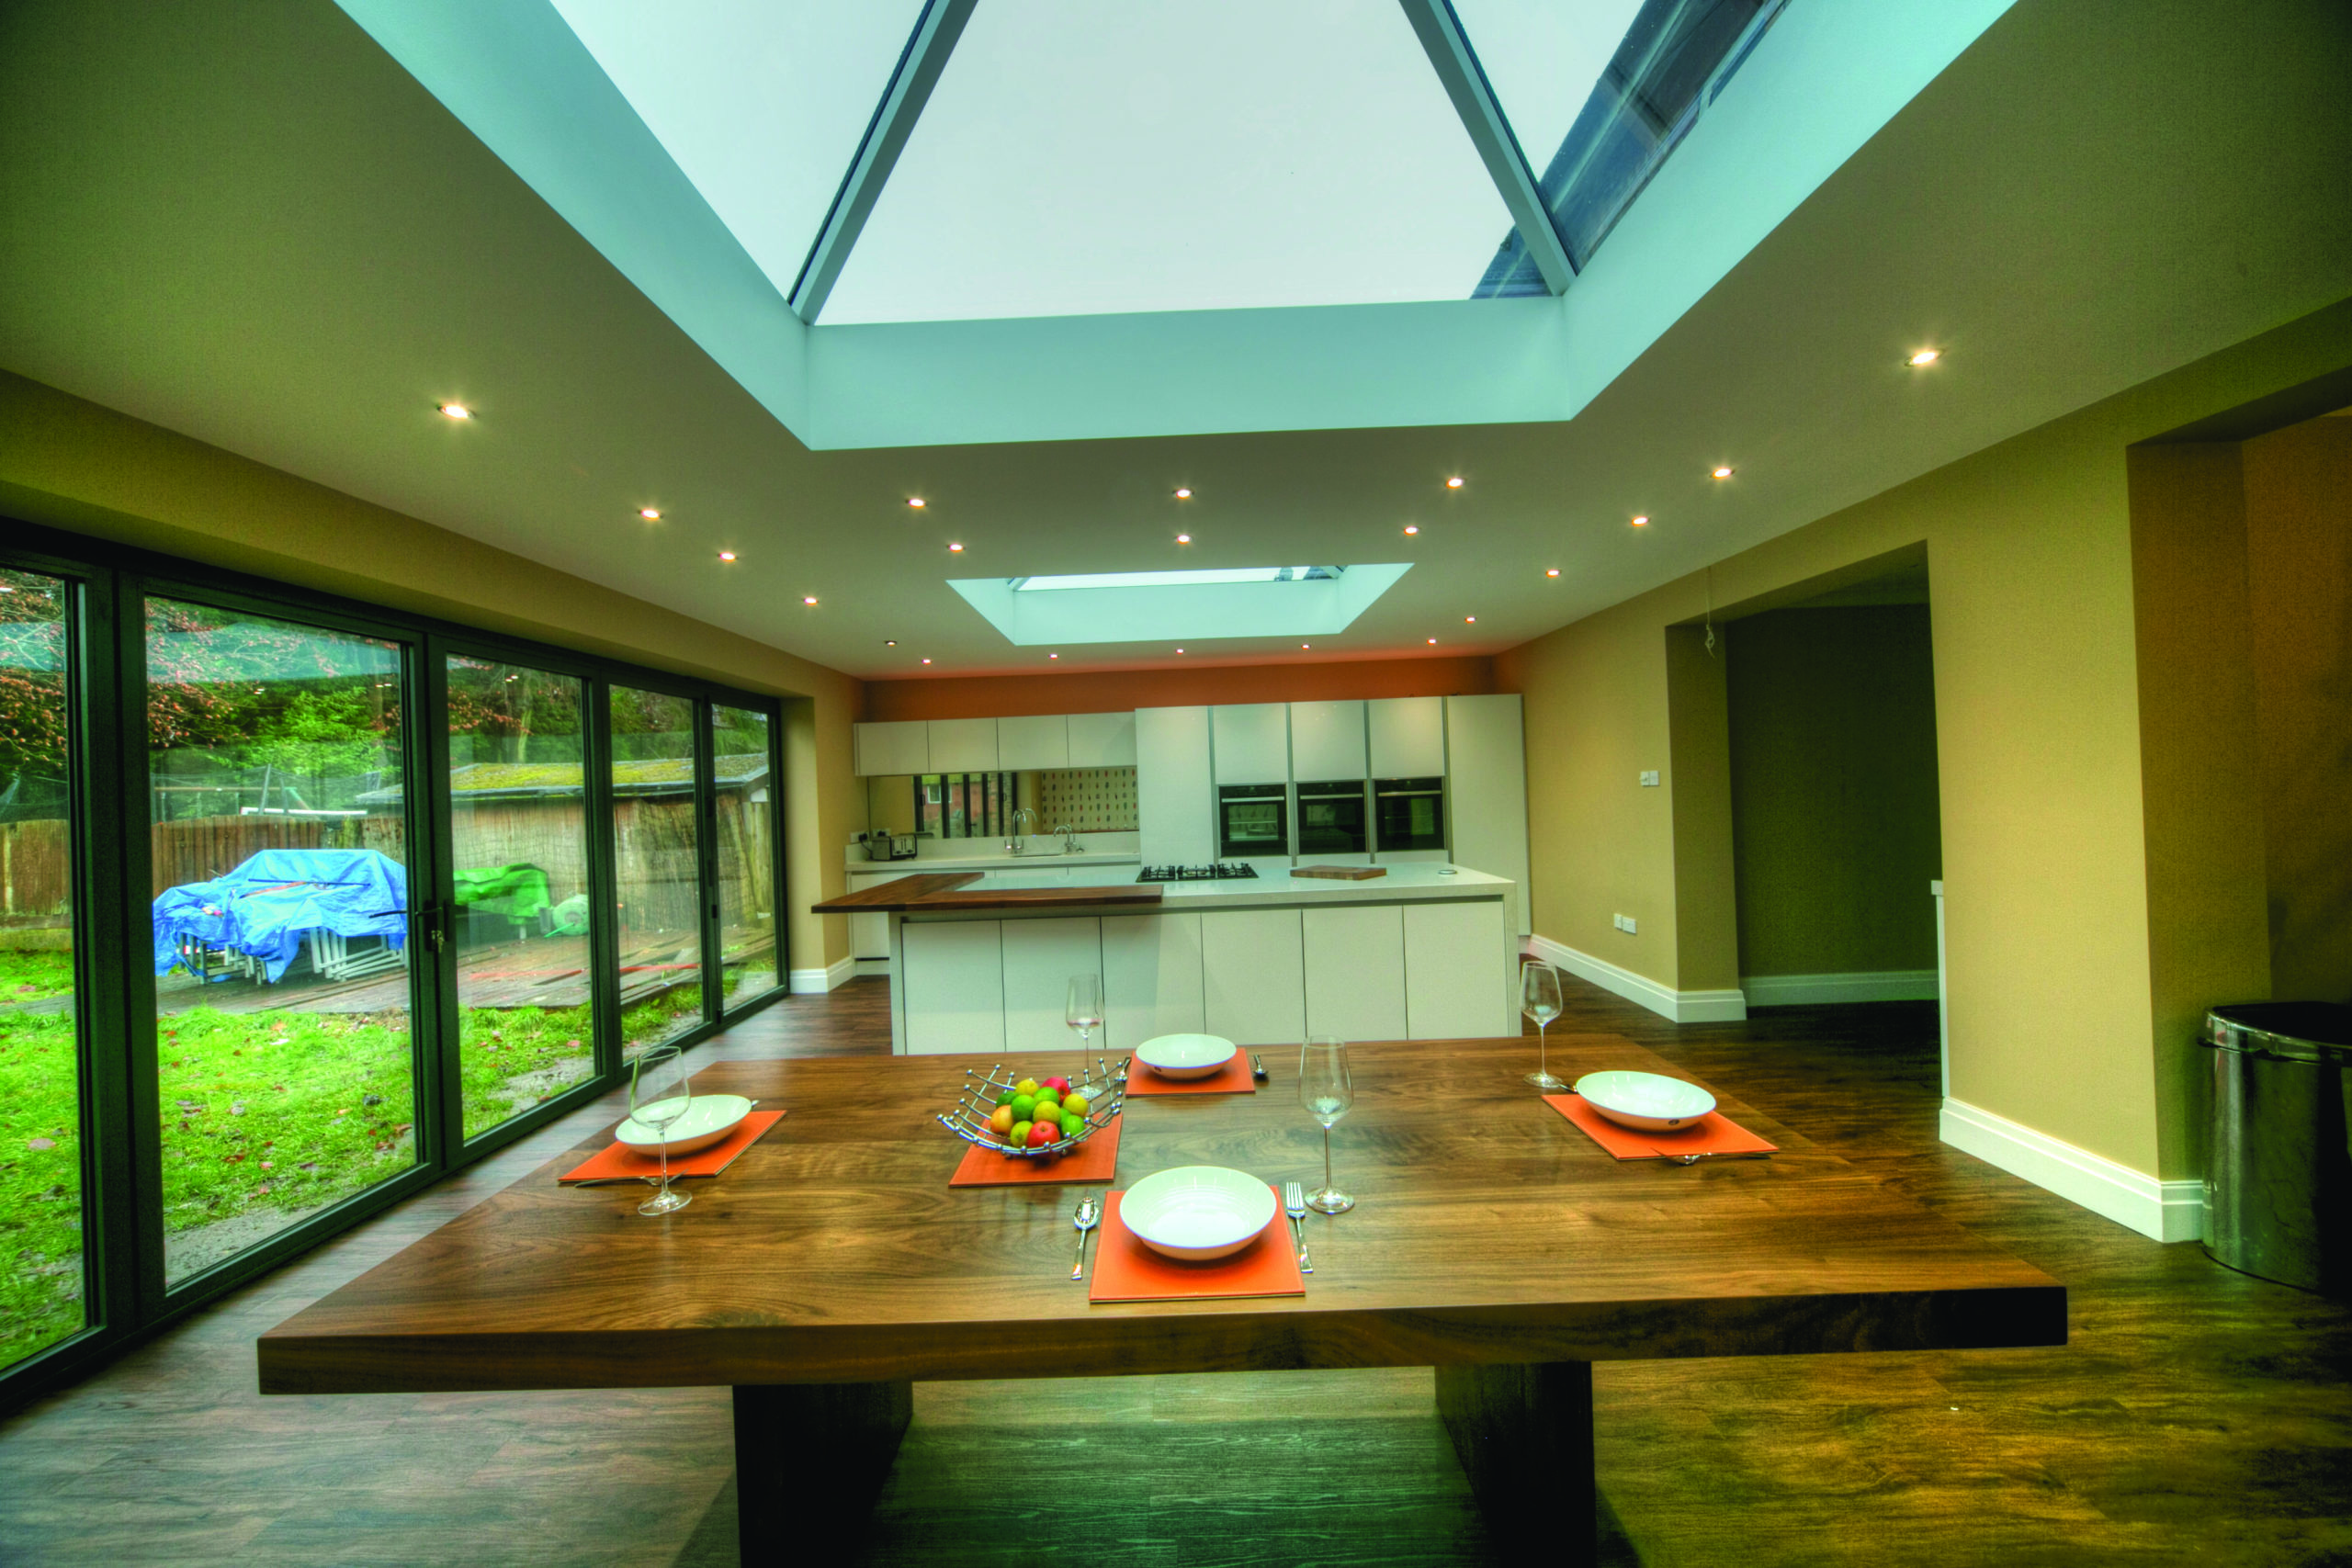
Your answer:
<point x="1302" y="644"/>
<point x="1927" y="356"/>
<point x="915" y="501"/>
<point x="805" y="598"/>
<point x="1640" y="522"/>
<point x="1723" y="471"/>
<point x="457" y="411"/>
<point x="1433" y="642"/>
<point x="1412" y="528"/>
<point x="1183" y="494"/>
<point x="1183" y="538"/>
<point x="890" y="642"/>
<point x="955" y="550"/>
<point x="1552" y="572"/>
<point x="926" y="661"/>
<point x="1180" y="650"/>
<point x="649" y="513"/>
<point x="1469" y="620"/>
<point x="1053" y="656"/>
<point x="1454" y="483"/>
<point x="726" y="555"/>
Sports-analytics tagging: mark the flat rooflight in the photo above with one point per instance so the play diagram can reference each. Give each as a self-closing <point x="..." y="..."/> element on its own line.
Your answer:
<point x="1206" y="576"/>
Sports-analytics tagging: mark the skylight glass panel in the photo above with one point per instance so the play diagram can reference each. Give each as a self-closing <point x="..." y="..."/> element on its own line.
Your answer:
<point x="1206" y="577"/>
<point x="1599" y="93"/>
<point x="760" y="103"/>
<point x="1079" y="157"/>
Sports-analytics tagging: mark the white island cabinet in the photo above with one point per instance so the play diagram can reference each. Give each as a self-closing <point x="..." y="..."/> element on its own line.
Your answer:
<point x="1425" y="952"/>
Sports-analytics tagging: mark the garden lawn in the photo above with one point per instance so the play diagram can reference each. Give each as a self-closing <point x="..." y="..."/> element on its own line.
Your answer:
<point x="266" y="1118"/>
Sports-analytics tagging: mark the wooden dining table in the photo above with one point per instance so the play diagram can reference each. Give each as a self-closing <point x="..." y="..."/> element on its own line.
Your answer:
<point x="831" y="1268"/>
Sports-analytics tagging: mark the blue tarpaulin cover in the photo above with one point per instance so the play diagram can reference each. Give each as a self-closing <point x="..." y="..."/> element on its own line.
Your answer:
<point x="264" y="906"/>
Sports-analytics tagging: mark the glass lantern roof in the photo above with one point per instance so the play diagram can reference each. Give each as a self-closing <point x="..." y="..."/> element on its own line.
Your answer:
<point x="1080" y="159"/>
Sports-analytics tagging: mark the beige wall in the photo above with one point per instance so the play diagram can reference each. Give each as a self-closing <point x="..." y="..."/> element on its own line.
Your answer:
<point x="2299" y="581"/>
<point x="2052" y="1016"/>
<point x="1833" y="783"/>
<point x="74" y="465"/>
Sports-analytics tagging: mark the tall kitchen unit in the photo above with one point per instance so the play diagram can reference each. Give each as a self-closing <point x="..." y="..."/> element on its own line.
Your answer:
<point x="1409" y="812"/>
<point x="1486" y="778"/>
<point x="1327" y="774"/>
<point x="1175" y="797"/>
<point x="1250" y="752"/>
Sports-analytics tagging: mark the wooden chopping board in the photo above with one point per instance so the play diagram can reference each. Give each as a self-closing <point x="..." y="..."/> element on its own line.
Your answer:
<point x="1341" y="873"/>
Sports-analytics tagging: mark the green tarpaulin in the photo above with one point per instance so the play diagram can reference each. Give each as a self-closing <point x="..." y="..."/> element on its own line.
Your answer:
<point x="517" y="892"/>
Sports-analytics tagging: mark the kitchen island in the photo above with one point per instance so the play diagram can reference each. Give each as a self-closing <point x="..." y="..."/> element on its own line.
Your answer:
<point x="1423" y="952"/>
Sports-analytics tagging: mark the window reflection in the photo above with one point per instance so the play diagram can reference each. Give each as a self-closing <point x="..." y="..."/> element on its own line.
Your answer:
<point x="518" y="827"/>
<point x="657" y="866"/>
<point x="746" y="852"/>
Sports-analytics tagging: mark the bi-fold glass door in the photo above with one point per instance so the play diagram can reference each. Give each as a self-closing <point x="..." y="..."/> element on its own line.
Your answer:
<point x="303" y="904"/>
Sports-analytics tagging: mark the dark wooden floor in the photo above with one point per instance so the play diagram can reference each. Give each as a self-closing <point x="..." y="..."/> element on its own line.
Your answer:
<point x="2197" y="1416"/>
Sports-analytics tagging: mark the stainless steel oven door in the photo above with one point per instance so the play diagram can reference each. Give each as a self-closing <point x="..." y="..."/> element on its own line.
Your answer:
<point x="1331" y="819"/>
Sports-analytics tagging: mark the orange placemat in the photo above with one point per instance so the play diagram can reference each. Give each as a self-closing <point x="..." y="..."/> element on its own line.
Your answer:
<point x="1097" y="1159"/>
<point x="618" y="1161"/>
<point x="1231" y="1079"/>
<point x="1127" y="1271"/>
<point x="1712" y="1133"/>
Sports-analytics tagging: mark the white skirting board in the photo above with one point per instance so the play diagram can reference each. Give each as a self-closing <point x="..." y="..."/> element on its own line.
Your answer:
<point x="2164" y="1211"/>
<point x="817" y="982"/>
<point x="1681" y="1007"/>
<point x="1867" y="985"/>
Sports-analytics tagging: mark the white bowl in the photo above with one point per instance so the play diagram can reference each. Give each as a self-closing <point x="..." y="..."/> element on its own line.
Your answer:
<point x="708" y="1119"/>
<point x="1185" y="1055"/>
<point x="1646" y="1100"/>
<point x="1198" y="1212"/>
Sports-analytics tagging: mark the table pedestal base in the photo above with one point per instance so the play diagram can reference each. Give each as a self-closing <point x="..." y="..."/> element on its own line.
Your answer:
<point x="809" y="1461"/>
<point x="1524" y="1435"/>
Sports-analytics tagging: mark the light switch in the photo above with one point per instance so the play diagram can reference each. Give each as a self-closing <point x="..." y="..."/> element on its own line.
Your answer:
<point x="1649" y="779"/>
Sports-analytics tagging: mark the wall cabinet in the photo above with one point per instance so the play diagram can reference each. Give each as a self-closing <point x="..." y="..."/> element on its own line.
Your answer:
<point x="962" y="746"/>
<point x="1034" y="740"/>
<point x="1459" y="969"/>
<point x="953" y="979"/>
<point x="1040" y="956"/>
<point x="1174" y="799"/>
<point x="1151" y="978"/>
<point x="1251" y="743"/>
<point x="900" y="746"/>
<point x="1355" y="971"/>
<point x="1253" y="975"/>
<point x="1408" y="737"/>
<point x="1102" y="740"/>
<point x="1327" y="741"/>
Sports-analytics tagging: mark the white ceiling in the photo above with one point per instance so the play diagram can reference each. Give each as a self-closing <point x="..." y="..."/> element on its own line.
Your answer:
<point x="249" y="225"/>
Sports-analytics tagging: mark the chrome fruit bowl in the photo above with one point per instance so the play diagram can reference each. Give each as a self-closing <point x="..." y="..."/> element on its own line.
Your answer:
<point x="1105" y="1091"/>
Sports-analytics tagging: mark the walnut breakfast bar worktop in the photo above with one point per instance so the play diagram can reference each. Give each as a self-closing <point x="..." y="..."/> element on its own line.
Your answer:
<point x="945" y="892"/>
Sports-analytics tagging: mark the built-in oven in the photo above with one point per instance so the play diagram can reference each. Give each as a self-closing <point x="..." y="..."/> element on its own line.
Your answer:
<point x="1331" y="819"/>
<point x="1409" y="814"/>
<point x="1252" y="819"/>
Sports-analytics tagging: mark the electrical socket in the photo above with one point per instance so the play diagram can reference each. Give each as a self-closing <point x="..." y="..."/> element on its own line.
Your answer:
<point x="1625" y="923"/>
<point x="1649" y="778"/>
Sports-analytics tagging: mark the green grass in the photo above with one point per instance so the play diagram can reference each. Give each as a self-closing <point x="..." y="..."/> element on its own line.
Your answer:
<point x="33" y="977"/>
<point x="266" y="1116"/>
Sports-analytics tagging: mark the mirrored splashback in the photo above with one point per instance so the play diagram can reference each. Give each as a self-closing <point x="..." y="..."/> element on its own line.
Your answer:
<point x="974" y="805"/>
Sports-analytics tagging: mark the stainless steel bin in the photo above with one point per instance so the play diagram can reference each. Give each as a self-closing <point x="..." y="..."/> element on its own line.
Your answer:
<point x="2279" y="1174"/>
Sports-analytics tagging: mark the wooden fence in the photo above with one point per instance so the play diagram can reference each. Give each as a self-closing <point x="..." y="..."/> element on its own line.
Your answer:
<point x="654" y="838"/>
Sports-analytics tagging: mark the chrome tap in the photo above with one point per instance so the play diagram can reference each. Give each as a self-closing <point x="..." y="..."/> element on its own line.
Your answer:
<point x="1069" y="838"/>
<point x="1012" y="846"/>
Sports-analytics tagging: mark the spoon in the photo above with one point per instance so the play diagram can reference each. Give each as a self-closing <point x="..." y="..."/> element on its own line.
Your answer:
<point x="1089" y="1211"/>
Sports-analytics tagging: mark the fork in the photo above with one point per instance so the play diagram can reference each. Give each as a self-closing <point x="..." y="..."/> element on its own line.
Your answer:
<point x="1295" y="1205"/>
<point x="1089" y="1213"/>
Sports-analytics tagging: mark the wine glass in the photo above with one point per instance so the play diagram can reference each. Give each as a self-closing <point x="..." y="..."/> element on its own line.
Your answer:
<point x="1539" y="998"/>
<point x="1326" y="1092"/>
<point x="1084" y="1013"/>
<point x="657" y="1095"/>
